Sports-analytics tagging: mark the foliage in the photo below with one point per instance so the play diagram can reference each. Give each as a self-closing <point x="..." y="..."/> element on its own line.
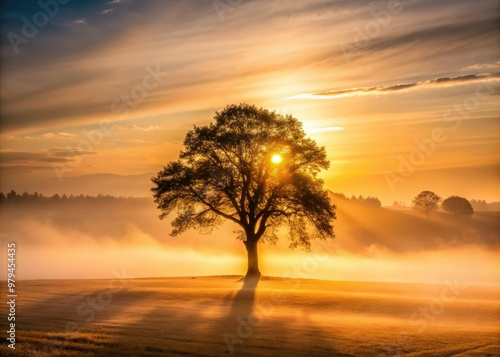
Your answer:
<point x="426" y="202"/>
<point x="369" y="200"/>
<point x="457" y="205"/>
<point x="226" y="172"/>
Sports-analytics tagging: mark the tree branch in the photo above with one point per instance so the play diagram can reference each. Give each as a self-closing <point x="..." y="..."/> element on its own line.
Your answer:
<point x="213" y="208"/>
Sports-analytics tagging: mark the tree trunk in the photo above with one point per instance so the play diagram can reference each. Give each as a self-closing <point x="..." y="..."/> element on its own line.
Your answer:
<point x="253" y="259"/>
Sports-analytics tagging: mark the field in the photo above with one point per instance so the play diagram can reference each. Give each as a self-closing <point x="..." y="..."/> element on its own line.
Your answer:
<point x="217" y="316"/>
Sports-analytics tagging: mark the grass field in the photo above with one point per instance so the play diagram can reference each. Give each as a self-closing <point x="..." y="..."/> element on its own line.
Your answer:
<point x="215" y="316"/>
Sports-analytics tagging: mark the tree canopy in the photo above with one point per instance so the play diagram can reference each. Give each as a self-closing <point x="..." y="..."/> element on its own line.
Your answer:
<point x="255" y="168"/>
<point x="426" y="202"/>
<point x="457" y="205"/>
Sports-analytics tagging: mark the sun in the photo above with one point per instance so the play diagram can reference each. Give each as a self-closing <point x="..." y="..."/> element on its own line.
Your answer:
<point x="276" y="159"/>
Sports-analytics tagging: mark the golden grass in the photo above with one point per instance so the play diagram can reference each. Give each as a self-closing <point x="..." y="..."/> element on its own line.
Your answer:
<point x="282" y="317"/>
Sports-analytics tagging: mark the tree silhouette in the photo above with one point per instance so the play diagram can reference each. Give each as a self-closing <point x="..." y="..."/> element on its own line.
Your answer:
<point x="457" y="205"/>
<point x="255" y="168"/>
<point x="12" y="196"/>
<point x="426" y="202"/>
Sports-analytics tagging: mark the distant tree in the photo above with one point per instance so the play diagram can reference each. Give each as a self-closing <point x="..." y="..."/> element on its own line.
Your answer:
<point x="479" y="205"/>
<point x="399" y="204"/>
<point x="373" y="201"/>
<point x="12" y="196"/>
<point x="2" y="197"/>
<point x="252" y="167"/>
<point x="457" y="205"/>
<point x="339" y="195"/>
<point x="426" y="202"/>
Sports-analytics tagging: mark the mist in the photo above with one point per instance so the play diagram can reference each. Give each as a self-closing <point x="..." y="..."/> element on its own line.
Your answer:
<point x="83" y="238"/>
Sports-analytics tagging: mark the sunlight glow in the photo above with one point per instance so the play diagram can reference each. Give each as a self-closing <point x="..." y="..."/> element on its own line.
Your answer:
<point x="319" y="130"/>
<point x="276" y="159"/>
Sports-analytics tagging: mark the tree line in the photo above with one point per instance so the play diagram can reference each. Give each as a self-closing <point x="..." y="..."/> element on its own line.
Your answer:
<point x="14" y="197"/>
<point x="368" y="200"/>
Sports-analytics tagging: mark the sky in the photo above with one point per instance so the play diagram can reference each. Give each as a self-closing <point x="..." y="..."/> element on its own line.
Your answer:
<point x="97" y="96"/>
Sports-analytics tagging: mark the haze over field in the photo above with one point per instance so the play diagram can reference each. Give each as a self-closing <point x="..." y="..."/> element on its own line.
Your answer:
<point x="92" y="238"/>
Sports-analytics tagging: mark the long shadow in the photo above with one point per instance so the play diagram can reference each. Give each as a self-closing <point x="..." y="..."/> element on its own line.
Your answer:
<point x="215" y="325"/>
<point x="244" y="299"/>
<point x="188" y="332"/>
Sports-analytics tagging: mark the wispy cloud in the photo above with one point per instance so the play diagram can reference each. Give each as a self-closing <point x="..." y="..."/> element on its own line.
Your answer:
<point x="69" y="152"/>
<point x="324" y="129"/>
<point x="41" y="156"/>
<point x="60" y="136"/>
<point x="139" y="128"/>
<point x="484" y="65"/>
<point x="81" y="21"/>
<point x="386" y="89"/>
<point x="142" y="142"/>
<point x="69" y="67"/>
<point x="107" y="11"/>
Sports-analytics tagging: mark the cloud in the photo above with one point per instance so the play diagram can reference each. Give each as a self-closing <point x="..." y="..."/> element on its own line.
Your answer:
<point x="141" y="142"/>
<point x="137" y="127"/>
<point x="70" y="152"/>
<point x="442" y="32"/>
<point x="81" y="21"/>
<point x="484" y="65"/>
<point x="62" y="135"/>
<point x="107" y="11"/>
<point x="51" y="155"/>
<point x="385" y="89"/>
<point x="56" y="159"/>
<point x="59" y="136"/>
<point x="12" y="156"/>
<point x="324" y="129"/>
<point x="188" y="40"/>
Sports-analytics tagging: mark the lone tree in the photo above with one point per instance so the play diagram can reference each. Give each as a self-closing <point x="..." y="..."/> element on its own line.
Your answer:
<point x="426" y="202"/>
<point x="255" y="168"/>
<point x="457" y="205"/>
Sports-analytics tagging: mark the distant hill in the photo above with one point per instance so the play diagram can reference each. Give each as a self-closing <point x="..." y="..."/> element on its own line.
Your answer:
<point x="361" y="225"/>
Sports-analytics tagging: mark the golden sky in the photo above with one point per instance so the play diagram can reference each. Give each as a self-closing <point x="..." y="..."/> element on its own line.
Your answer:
<point x="404" y="95"/>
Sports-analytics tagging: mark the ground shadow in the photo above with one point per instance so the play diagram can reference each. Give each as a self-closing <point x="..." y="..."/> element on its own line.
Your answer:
<point x="244" y="299"/>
